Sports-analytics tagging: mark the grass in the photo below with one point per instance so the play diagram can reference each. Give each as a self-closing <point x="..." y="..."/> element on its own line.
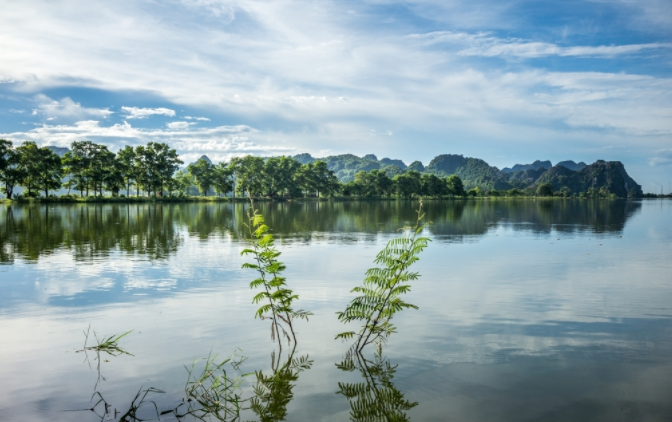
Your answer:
<point x="108" y="345"/>
<point x="217" y="394"/>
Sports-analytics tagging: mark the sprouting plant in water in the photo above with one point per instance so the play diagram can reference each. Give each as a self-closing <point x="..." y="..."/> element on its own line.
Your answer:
<point x="109" y="345"/>
<point x="214" y="392"/>
<point x="383" y="286"/>
<point x="276" y="298"/>
<point x="376" y="399"/>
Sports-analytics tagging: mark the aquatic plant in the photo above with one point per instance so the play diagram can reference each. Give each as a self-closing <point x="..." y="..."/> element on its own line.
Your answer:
<point x="217" y="393"/>
<point x="276" y="297"/>
<point x="108" y="345"/>
<point x="382" y="288"/>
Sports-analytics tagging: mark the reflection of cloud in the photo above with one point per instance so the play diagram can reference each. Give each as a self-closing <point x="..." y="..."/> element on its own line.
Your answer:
<point x="142" y="113"/>
<point x="663" y="157"/>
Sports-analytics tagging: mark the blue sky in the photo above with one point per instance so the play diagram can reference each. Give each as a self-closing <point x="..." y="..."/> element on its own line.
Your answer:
<point x="506" y="81"/>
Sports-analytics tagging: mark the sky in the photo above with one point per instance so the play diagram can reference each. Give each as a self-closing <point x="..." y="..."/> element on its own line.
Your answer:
<point x="509" y="82"/>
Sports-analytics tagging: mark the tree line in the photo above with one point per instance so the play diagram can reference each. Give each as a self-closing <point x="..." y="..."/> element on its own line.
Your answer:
<point x="91" y="169"/>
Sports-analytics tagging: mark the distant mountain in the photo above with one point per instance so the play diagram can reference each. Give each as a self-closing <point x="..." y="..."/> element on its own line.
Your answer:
<point x="522" y="179"/>
<point x="61" y="151"/>
<point x="345" y="166"/>
<point x="575" y="177"/>
<point x="534" y="166"/>
<point x="391" y="162"/>
<point x="572" y="165"/>
<point x="304" y="158"/>
<point x="205" y="158"/>
<point x="473" y="171"/>
<point x="416" y="166"/>
<point x="609" y="175"/>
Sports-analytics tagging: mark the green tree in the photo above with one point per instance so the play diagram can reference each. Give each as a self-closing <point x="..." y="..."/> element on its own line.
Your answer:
<point x="158" y="163"/>
<point x="11" y="173"/>
<point x="183" y="180"/>
<point x="126" y="163"/>
<point x="222" y="178"/>
<point x="50" y="170"/>
<point x="203" y="174"/>
<point x="89" y="163"/>
<point x="545" y="189"/>
<point x="432" y="185"/>
<point x="249" y="174"/>
<point x="455" y="185"/>
<point x="408" y="184"/>
<point x="475" y="191"/>
<point x="29" y="164"/>
<point x="325" y="181"/>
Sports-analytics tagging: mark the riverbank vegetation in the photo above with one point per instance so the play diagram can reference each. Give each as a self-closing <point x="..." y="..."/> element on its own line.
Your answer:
<point x="90" y="172"/>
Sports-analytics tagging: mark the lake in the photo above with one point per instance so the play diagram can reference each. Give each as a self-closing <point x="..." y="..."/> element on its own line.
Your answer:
<point x="546" y="310"/>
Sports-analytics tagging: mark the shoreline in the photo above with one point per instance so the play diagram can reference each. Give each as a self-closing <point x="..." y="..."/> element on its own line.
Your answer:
<point x="207" y="199"/>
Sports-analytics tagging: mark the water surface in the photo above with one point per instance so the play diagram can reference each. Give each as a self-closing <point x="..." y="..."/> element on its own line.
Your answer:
<point x="529" y="310"/>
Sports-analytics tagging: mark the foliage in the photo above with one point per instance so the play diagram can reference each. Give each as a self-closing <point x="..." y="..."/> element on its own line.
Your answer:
<point x="276" y="298"/>
<point x="381" y="292"/>
<point x="217" y="394"/>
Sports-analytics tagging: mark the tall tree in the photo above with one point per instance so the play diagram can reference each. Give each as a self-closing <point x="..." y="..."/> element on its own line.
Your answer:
<point x="126" y="163"/>
<point x="49" y="170"/>
<point x="10" y="172"/>
<point x="29" y="157"/>
<point x="203" y="174"/>
<point x="249" y="174"/>
<point x="183" y="180"/>
<point x="455" y="185"/>
<point x="222" y="181"/>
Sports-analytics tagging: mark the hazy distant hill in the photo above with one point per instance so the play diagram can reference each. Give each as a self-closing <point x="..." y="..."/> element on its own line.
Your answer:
<point x="610" y="175"/>
<point x="534" y="166"/>
<point x="472" y="171"/>
<point x="575" y="177"/>
<point x="572" y="165"/>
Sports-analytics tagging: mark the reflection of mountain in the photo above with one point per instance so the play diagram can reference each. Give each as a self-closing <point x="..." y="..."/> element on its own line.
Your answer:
<point x="153" y="230"/>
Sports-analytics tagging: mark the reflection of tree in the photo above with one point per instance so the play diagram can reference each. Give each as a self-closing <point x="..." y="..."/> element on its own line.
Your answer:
<point x="92" y="231"/>
<point x="375" y="399"/>
<point x="273" y="392"/>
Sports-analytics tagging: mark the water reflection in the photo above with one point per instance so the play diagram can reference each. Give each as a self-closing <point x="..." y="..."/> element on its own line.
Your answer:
<point x="376" y="398"/>
<point x="273" y="392"/>
<point x="90" y="232"/>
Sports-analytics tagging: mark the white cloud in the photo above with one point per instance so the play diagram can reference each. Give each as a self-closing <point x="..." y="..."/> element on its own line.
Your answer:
<point x="321" y="76"/>
<point x="663" y="158"/>
<point x="202" y="119"/>
<point x="179" y="125"/>
<point x="66" y="108"/>
<point x="142" y="113"/>
<point x="486" y="45"/>
<point x="11" y="110"/>
<point x="219" y="143"/>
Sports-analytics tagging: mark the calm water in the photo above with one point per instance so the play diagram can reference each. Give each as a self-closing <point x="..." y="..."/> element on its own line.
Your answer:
<point x="529" y="310"/>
